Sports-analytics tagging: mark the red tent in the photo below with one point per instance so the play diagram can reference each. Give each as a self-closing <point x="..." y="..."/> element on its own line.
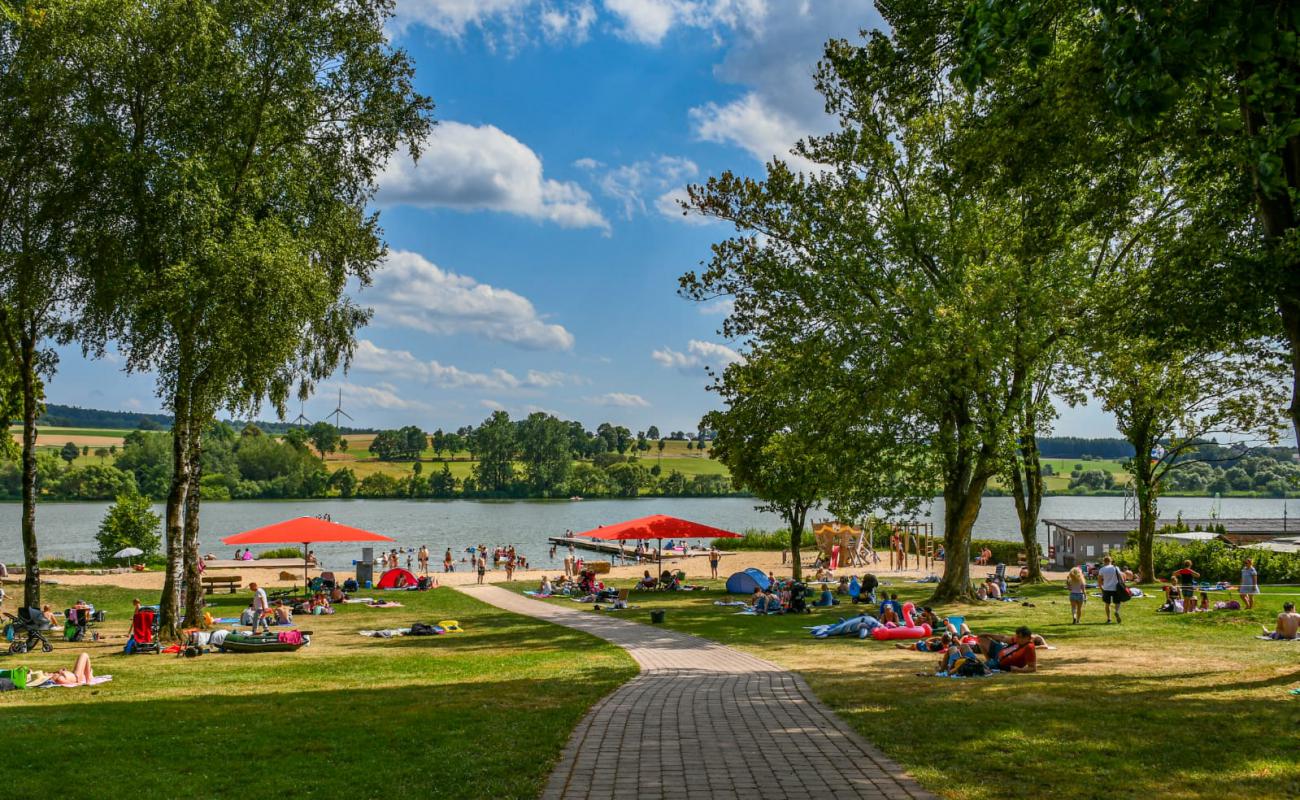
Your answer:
<point x="658" y="526"/>
<point x="396" y="579"/>
<point x="304" y="531"/>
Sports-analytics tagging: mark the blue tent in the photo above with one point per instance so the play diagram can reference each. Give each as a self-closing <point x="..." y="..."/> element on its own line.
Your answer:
<point x="746" y="582"/>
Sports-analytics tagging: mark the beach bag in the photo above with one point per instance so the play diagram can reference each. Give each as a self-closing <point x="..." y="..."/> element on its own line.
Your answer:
<point x="1123" y="593"/>
<point x="973" y="668"/>
<point x="423" y="629"/>
<point x="349" y="585"/>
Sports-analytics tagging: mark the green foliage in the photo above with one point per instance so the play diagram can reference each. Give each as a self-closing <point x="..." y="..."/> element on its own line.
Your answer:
<point x="408" y="442"/>
<point x="1215" y="560"/>
<point x="494" y="443"/>
<point x="380" y="484"/>
<point x="544" y="443"/>
<point x="281" y="552"/>
<point x="344" y="480"/>
<point x="130" y="522"/>
<point x="70" y="452"/>
<point x="754" y="539"/>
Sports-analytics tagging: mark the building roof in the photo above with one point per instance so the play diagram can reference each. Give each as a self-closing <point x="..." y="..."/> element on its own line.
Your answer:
<point x="1272" y="526"/>
<point x="1277" y="545"/>
<point x="1189" y="536"/>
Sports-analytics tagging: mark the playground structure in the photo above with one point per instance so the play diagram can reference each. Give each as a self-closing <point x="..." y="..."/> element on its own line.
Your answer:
<point x="841" y="544"/>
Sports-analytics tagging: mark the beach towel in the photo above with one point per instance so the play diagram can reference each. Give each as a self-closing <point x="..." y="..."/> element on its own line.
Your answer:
<point x="1268" y="638"/>
<point x="290" y="637"/>
<point x="729" y="603"/>
<point x="359" y="600"/>
<point x="385" y="634"/>
<point x="537" y="595"/>
<point x="95" y="681"/>
<point x="227" y="620"/>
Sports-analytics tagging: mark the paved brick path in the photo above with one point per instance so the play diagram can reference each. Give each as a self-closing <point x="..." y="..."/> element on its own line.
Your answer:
<point x="704" y="720"/>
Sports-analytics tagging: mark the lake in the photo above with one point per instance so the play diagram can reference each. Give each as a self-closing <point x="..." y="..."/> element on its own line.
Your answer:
<point x="68" y="529"/>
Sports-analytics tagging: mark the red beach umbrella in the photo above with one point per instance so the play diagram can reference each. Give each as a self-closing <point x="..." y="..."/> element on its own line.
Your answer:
<point x="658" y="526"/>
<point x="304" y="531"/>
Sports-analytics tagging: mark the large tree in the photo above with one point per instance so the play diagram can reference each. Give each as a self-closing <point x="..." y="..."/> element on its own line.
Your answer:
<point x="243" y="140"/>
<point x="1212" y="82"/>
<point x="44" y="180"/>
<point x="924" y="274"/>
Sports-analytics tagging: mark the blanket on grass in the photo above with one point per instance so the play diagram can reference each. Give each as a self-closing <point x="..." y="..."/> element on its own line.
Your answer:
<point x="95" y="681"/>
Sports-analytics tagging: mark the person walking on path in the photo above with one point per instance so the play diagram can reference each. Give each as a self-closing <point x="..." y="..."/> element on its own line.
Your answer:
<point x="1111" y="581"/>
<point x="424" y="559"/>
<point x="1249" y="584"/>
<point x="1186" y="580"/>
<point x="261" y="608"/>
<point x="714" y="555"/>
<point x="1077" y="586"/>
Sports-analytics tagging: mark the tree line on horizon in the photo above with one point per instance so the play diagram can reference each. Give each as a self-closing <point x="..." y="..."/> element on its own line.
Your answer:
<point x="1018" y="202"/>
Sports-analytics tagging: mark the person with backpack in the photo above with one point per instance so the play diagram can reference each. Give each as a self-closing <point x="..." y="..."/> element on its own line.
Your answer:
<point x="1111" y="581"/>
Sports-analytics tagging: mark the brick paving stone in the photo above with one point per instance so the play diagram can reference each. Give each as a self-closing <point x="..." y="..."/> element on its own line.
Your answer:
<point x="703" y="720"/>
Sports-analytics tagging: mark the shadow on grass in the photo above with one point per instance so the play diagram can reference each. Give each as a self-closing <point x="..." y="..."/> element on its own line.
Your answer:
<point x="492" y="738"/>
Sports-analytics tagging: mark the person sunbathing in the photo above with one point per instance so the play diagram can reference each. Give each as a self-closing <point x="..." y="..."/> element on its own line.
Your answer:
<point x="545" y="586"/>
<point x="283" y="614"/>
<point x="933" y="644"/>
<point x="928" y="617"/>
<point x="80" y="674"/>
<point x="1288" y="624"/>
<point x="993" y="591"/>
<point x="1014" y="653"/>
<point x="49" y="615"/>
<point x="888" y="616"/>
<point x="956" y="655"/>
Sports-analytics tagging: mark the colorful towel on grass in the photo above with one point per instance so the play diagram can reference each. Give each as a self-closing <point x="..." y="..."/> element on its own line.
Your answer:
<point x="227" y="620"/>
<point x="95" y="681"/>
<point x="538" y="595"/>
<point x="359" y="600"/>
<point x="1268" y="638"/>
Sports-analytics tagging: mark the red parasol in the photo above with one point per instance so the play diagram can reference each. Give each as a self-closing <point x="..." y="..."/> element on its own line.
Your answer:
<point x="658" y="526"/>
<point x="305" y="531"/>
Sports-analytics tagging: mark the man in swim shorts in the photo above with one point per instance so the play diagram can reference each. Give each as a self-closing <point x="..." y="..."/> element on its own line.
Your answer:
<point x="1186" y="580"/>
<point x="1288" y="623"/>
<point x="1013" y="653"/>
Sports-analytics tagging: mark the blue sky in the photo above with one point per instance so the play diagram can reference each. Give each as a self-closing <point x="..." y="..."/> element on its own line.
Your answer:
<point x="536" y="246"/>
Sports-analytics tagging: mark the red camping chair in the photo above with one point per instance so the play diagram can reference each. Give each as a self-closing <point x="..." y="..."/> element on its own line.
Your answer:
<point x="142" y="632"/>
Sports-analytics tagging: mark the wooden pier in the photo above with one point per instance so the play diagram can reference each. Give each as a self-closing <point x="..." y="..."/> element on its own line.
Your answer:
<point x="620" y="549"/>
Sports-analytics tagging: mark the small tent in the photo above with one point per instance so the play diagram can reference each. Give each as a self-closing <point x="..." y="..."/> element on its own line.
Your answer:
<point x="396" y="579"/>
<point x="747" y="581"/>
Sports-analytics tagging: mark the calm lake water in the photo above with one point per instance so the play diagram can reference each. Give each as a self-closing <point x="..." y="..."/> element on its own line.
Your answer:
<point x="68" y="529"/>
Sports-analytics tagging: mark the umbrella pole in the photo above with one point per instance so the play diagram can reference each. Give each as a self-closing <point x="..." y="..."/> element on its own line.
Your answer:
<point x="305" y="564"/>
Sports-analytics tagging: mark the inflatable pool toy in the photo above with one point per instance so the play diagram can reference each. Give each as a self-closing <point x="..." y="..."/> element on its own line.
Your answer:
<point x="450" y="626"/>
<point x="260" y="643"/>
<point x="905" y="631"/>
<point x="859" y="626"/>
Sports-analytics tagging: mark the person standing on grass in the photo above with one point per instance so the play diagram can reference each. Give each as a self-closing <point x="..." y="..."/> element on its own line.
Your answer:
<point x="1249" y="584"/>
<point x="1110" y="579"/>
<point x="261" y="608"/>
<point x="1186" y="580"/>
<point x="714" y="555"/>
<point x="1077" y="586"/>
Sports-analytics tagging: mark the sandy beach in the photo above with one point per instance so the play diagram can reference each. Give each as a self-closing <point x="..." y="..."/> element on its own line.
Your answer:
<point x="695" y="567"/>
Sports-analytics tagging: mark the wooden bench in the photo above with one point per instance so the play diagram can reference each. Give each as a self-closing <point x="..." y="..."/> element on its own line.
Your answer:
<point x="211" y="582"/>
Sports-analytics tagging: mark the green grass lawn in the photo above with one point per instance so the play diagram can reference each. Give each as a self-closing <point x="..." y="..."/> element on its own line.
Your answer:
<point x="1163" y="706"/>
<point x="483" y="714"/>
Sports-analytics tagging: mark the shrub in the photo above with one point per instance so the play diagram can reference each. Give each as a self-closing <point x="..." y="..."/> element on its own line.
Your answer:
<point x="760" y="540"/>
<point x="281" y="552"/>
<point x="1003" y="552"/>
<point x="130" y="522"/>
<point x="1215" y="560"/>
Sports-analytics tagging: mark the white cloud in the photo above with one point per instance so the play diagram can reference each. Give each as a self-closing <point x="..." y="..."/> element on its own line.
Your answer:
<point x="383" y="395"/>
<point x="699" y="354"/>
<point x="133" y="403"/>
<point x="671" y="205"/>
<point x="620" y="400"/>
<point x="571" y="24"/>
<point x="412" y="292"/>
<point x="648" y="21"/>
<point x="453" y="17"/>
<point x="724" y="306"/>
<point x="754" y="126"/>
<point x="491" y="404"/>
<point x="483" y="168"/>
<point x="370" y="357"/>
<point x="630" y="183"/>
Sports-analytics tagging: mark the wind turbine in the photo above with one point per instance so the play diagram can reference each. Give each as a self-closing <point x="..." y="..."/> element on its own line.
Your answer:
<point x="339" y="412"/>
<point x="301" y="419"/>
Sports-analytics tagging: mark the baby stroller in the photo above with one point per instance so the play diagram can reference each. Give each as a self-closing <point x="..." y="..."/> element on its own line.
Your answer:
<point x="32" y="624"/>
<point x="799" y="598"/>
<point x="144" y="630"/>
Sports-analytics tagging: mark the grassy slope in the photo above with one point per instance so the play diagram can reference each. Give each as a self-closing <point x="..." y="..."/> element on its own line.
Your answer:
<point x="1169" y="706"/>
<point x="479" y="714"/>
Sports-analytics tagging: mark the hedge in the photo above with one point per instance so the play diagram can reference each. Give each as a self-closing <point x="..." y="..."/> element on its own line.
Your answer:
<point x="1215" y="560"/>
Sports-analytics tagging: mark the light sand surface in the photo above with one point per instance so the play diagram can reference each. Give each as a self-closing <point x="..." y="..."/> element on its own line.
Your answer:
<point x="696" y="568"/>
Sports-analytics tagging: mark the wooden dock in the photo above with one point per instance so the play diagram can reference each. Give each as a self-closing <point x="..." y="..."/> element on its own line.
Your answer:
<point x="620" y="549"/>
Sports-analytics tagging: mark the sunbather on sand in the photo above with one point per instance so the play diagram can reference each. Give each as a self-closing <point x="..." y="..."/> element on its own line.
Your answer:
<point x="1288" y="623"/>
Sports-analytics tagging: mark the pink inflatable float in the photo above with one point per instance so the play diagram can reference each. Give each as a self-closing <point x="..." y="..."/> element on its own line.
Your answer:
<point x="905" y="631"/>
